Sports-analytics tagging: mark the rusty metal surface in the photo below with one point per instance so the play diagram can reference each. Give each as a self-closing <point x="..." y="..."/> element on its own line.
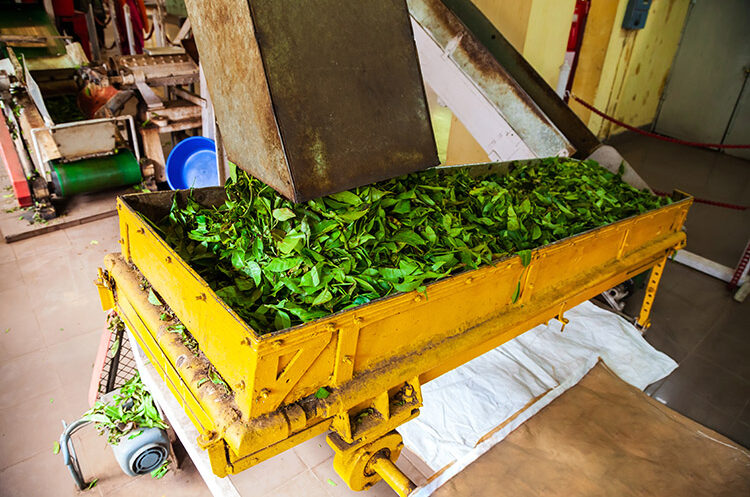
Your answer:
<point x="348" y="94"/>
<point x="537" y="89"/>
<point x="495" y="83"/>
<point x="231" y="61"/>
<point x="341" y="103"/>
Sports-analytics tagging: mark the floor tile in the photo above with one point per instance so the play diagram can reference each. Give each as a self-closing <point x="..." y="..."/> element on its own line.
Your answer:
<point x="27" y="376"/>
<point x="64" y="319"/>
<point x="314" y="451"/>
<point x="186" y="482"/>
<point x="270" y="474"/>
<point x="42" y="474"/>
<point x="19" y="330"/>
<point x="73" y="361"/>
<point x="49" y="280"/>
<point x="740" y="433"/>
<point x="29" y="427"/>
<point x="698" y="379"/>
<point x="101" y="233"/>
<point x="11" y="276"/>
<point x="6" y="252"/>
<point x="305" y="484"/>
<point x="726" y="350"/>
<point x="325" y="472"/>
<point x="45" y="246"/>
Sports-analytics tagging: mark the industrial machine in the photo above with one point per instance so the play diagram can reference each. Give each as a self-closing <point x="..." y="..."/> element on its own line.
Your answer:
<point x="73" y="127"/>
<point x="49" y="146"/>
<point x="359" y="117"/>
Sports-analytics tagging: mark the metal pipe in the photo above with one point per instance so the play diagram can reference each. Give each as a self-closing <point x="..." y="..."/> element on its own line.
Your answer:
<point x="129" y="28"/>
<point x="113" y="15"/>
<point x="93" y="36"/>
<point x="394" y="477"/>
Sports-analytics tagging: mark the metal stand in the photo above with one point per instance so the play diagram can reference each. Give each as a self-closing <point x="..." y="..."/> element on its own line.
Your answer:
<point x="644" y="319"/>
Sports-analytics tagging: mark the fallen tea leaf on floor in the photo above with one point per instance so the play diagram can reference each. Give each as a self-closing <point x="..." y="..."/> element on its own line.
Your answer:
<point x="56" y="448"/>
<point x="7" y="330"/>
<point x="332" y="483"/>
<point x="93" y="483"/>
<point x="93" y="242"/>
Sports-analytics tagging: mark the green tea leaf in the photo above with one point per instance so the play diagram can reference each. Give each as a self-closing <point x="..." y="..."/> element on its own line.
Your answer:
<point x="517" y="293"/>
<point x="322" y="393"/>
<point x="525" y="256"/>
<point x="253" y="270"/>
<point x="283" y="214"/>
<point x="347" y="197"/>
<point x="56" y="447"/>
<point x="280" y="265"/>
<point x="322" y="297"/>
<point x="264" y="256"/>
<point x="152" y="298"/>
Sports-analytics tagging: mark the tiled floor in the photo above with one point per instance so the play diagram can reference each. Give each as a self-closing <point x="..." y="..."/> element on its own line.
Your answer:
<point x="50" y="324"/>
<point x="694" y="319"/>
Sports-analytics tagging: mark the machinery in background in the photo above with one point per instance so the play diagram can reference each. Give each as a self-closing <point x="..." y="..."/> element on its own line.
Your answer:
<point x="50" y="147"/>
<point x="156" y="87"/>
<point x="71" y="127"/>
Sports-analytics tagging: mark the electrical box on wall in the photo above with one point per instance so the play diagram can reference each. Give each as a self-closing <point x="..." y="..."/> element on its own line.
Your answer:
<point x="636" y="14"/>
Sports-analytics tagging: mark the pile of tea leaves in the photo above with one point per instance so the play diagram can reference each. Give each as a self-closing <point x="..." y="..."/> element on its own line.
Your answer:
<point x="278" y="264"/>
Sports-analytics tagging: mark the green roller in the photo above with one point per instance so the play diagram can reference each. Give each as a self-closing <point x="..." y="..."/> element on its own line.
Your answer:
<point x="95" y="174"/>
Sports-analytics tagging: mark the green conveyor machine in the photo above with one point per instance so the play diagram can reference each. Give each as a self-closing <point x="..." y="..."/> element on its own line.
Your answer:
<point x="62" y="153"/>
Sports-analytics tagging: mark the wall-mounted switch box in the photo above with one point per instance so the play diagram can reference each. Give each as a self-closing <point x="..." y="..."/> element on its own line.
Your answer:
<point x="636" y="14"/>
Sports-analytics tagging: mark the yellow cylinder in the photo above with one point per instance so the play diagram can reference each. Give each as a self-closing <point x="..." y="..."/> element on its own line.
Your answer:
<point x="398" y="481"/>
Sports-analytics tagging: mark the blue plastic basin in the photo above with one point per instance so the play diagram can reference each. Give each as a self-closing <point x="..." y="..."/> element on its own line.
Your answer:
<point x="192" y="164"/>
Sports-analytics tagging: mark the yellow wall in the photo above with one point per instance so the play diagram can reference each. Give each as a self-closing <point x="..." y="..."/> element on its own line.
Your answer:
<point x="626" y="78"/>
<point x="510" y="17"/>
<point x="547" y="37"/>
<point x="653" y="51"/>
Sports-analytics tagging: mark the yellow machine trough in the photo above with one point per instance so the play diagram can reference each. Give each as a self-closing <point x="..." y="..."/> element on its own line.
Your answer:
<point x="371" y="360"/>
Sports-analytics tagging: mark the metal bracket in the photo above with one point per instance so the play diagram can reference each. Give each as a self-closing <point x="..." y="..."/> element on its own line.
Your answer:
<point x="644" y="320"/>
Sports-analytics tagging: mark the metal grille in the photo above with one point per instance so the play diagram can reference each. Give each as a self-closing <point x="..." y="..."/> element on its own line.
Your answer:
<point x="119" y="365"/>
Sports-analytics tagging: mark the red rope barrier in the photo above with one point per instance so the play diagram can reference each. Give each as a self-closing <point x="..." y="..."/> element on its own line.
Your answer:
<point x="648" y="133"/>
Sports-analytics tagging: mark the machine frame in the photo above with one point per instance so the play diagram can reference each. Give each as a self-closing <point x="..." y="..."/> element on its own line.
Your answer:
<point x="371" y="360"/>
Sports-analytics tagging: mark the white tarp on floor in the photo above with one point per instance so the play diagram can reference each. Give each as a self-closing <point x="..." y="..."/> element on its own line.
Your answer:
<point x="517" y="379"/>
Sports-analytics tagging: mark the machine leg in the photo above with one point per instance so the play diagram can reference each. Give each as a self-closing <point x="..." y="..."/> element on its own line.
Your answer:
<point x="644" y="319"/>
<point x="361" y="465"/>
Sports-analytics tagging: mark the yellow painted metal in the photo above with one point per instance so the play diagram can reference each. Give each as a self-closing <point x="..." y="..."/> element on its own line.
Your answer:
<point x="105" y="295"/>
<point x="644" y="317"/>
<point x="372" y="359"/>
<point x="384" y="466"/>
<point x="358" y="465"/>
